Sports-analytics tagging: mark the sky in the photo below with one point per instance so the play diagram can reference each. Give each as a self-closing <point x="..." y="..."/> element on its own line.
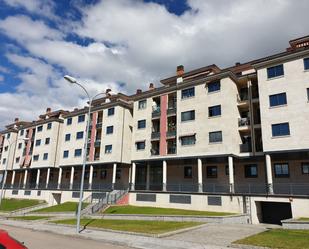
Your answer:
<point x="126" y="44"/>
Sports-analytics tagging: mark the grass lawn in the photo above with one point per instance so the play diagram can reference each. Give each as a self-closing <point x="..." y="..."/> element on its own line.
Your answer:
<point x="303" y="219"/>
<point x="158" y="211"/>
<point x="279" y="238"/>
<point x="28" y="217"/>
<point x="9" y="205"/>
<point x="64" y="207"/>
<point x="139" y="226"/>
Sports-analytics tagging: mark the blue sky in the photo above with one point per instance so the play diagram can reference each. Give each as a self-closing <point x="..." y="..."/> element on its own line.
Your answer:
<point x="126" y="44"/>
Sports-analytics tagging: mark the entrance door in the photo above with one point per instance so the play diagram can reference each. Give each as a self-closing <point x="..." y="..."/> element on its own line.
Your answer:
<point x="274" y="212"/>
<point x="156" y="177"/>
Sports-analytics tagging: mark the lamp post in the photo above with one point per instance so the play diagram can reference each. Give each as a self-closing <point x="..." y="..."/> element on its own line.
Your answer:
<point x="7" y="163"/>
<point x="72" y="80"/>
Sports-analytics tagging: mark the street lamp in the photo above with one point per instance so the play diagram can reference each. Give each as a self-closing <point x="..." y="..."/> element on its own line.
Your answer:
<point x="7" y="163"/>
<point x="72" y="80"/>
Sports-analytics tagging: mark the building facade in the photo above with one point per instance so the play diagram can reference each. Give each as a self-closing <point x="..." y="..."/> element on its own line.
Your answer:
<point x="232" y="140"/>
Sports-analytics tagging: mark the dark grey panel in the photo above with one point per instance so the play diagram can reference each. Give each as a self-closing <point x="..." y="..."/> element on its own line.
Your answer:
<point x="39" y="193"/>
<point x="14" y="192"/>
<point x="75" y="194"/>
<point x="214" y="200"/>
<point x="27" y="192"/>
<point x="98" y="195"/>
<point x="146" y="197"/>
<point x="184" y="199"/>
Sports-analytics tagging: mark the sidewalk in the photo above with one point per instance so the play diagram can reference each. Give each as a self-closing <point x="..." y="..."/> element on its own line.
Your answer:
<point x="113" y="238"/>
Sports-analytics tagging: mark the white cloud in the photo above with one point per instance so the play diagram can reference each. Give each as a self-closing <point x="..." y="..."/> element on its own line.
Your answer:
<point x="136" y="43"/>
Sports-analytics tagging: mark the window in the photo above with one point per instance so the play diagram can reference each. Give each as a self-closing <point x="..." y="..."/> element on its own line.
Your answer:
<point x="188" y="140"/>
<point x="212" y="171"/>
<point x="78" y="152"/>
<point x="8" y="135"/>
<point x="277" y="99"/>
<point x="306" y="63"/>
<point x="65" y="154"/>
<point x="189" y="115"/>
<point x="49" y="126"/>
<point x="40" y="128"/>
<point x="142" y="104"/>
<point x="22" y="132"/>
<point x="36" y="158"/>
<point x="140" y="145"/>
<point x="251" y="171"/>
<point x="38" y="142"/>
<point x="4" y="161"/>
<point x="141" y="124"/>
<point x="20" y="145"/>
<point x="305" y="168"/>
<point x="45" y="156"/>
<point x="81" y="118"/>
<point x="47" y="140"/>
<point x="6" y="148"/>
<point x="67" y="137"/>
<point x="118" y="174"/>
<point x="79" y="135"/>
<point x="109" y="129"/>
<point x="215" y="137"/>
<point x="187" y="93"/>
<point x="214" y="111"/>
<point x="187" y="172"/>
<point x="17" y="159"/>
<point x="275" y="71"/>
<point x="282" y="129"/>
<point x="282" y="170"/>
<point x="111" y="111"/>
<point x="108" y="149"/>
<point x="69" y="121"/>
<point x="308" y="94"/>
<point x="214" y="86"/>
<point x="103" y="174"/>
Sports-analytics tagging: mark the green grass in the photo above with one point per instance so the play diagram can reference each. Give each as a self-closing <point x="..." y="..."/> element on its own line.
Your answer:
<point x="279" y="238"/>
<point x="303" y="219"/>
<point x="33" y="217"/>
<point x="9" y="205"/>
<point x="64" y="207"/>
<point x="139" y="226"/>
<point x="158" y="211"/>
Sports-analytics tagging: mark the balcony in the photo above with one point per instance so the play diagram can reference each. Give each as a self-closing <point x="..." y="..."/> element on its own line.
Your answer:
<point x="99" y="125"/>
<point x="171" y="110"/>
<point x="243" y="122"/>
<point x="155" y="135"/>
<point x="154" y="152"/>
<point x="171" y="134"/>
<point x="97" y="143"/>
<point x="171" y="150"/>
<point x="246" y="147"/>
<point x="156" y="112"/>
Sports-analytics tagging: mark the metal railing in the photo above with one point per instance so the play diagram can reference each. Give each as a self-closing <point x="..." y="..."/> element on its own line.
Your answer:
<point x="171" y="133"/>
<point x="171" y="110"/>
<point x="156" y="112"/>
<point x="245" y="147"/>
<point x="243" y="122"/>
<point x="155" y="135"/>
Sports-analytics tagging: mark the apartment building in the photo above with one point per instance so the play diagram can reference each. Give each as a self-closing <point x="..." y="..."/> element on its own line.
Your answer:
<point x="231" y="140"/>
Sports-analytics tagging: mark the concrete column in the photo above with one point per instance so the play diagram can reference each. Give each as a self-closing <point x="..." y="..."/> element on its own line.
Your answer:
<point x="164" y="178"/>
<point x="269" y="175"/>
<point x="148" y="177"/>
<point x="133" y="177"/>
<point x="114" y="175"/>
<point x="37" y="178"/>
<point x="231" y="175"/>
<point x="5" y="174"/>
<point x="59" y="178"/>
<point x="200" y="175"/>
<point x="72" y="178"/>
<point x="13" y="178"/>
<point x="47" y="177"/>
<point x="25" y="178"/>
<point x="90" y="176"/>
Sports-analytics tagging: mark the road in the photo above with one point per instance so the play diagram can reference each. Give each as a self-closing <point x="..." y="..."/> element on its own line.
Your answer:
<point x="39" y="240"/>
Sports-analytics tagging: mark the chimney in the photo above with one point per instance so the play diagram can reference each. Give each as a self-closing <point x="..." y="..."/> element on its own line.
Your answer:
<point x="108" y="90"/>
<point x="16" y="120"/>
<point x="180" y="71"/>
<point x="151" y="86"/>
<point x="48" y="110"/>
<point x="75" y="109"/>
<point x="138" y="91"/>
<point x="237" y="64"/>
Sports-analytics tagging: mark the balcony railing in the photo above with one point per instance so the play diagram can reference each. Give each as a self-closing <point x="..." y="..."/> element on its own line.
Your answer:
<point x="245" y="147"/>
<point x="243" y="122"/>
<point x="155" y="135"/>
<point x="171" y="150"/>
<point x="97" y="143"/>
<point x="156" y="112"/>
<point x="242" y="97"/>
<point x="171" y="133"/>
<point x="154" y="152"/>
<point x="171" y="110"/>
<point x="99" y="125"/>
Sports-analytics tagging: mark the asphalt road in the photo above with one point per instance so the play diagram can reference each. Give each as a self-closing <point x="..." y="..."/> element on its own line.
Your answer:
<point x="44" y="240"/>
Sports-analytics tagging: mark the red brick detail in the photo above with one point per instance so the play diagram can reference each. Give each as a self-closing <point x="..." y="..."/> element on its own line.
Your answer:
<point x="163" y="125"/>
<point x="28" y="148"/>
<point x="124" y="200"/>
<point x="93" y="135"/>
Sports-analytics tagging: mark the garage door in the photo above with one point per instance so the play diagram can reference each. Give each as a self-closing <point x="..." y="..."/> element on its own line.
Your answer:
<point x="274" y="212"/>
